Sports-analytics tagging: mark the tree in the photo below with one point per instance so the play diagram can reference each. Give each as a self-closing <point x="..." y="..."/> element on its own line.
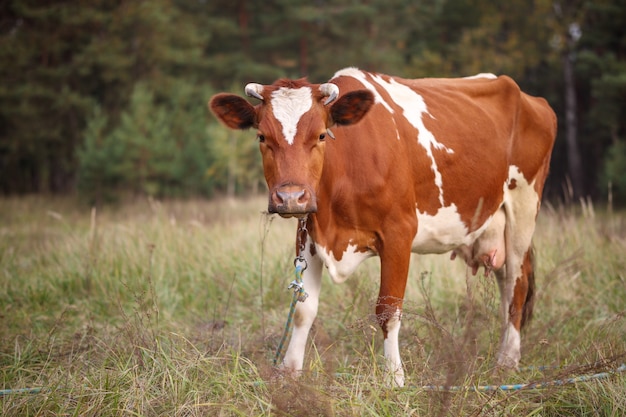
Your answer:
<point x="98" y="170"/>
<point x="60" y="59"/>
<point x="158" y="148"/>
<point x="568" y="30"/>
<point x="40" y="108"/>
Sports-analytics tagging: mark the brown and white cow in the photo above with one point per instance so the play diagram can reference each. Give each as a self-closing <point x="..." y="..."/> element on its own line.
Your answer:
<point x="425" y="166"/>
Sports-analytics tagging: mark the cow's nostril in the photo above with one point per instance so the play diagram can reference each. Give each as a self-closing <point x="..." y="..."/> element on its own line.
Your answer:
<point x="281" y="196"/>
<point x="300" y="196"/>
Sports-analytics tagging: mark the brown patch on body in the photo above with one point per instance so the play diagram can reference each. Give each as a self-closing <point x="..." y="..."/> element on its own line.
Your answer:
<point x="521" y="308"/>
<point x="529" y="271"/>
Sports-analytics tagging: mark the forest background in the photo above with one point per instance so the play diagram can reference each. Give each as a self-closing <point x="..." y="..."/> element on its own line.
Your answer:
<point x="108" y="97"/>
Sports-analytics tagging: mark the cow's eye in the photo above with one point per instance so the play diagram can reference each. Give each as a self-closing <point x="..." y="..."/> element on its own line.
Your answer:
<point x="322" y="137"/>
<point x="261" y="138"/>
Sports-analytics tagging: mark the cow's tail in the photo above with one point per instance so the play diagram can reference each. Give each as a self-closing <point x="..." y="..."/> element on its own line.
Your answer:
<point x="529" y="303"/>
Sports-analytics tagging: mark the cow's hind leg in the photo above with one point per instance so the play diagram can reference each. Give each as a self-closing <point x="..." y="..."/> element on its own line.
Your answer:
<point x="517" y="280"/>
<point x="517" y="299"/>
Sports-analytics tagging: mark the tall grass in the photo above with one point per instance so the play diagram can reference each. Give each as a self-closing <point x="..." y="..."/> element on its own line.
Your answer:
<point x="175" y="308"/>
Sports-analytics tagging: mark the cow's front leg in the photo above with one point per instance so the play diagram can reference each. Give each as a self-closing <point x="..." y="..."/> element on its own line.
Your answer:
<point x="390" y="323"/>
<point x="394" y="271"/>
<point x="305" y="314"/>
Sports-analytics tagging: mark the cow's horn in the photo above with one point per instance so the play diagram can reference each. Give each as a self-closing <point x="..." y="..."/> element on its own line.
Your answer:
<point x="254" y="90"/>
<point x="329" y="90"/>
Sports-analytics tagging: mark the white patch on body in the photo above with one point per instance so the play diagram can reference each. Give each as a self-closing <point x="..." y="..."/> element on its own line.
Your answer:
<point x="289" y="105"/>
<point x="516" y="174"/>
<point x="444" y="231"/>
<point x="391" y="350"/>
<point x="522" y="204"/>
<point x="360" y="75"/>
<point x="414" y="108"/>
<point x="340" y="270"/>
<point x="486" y="75"/>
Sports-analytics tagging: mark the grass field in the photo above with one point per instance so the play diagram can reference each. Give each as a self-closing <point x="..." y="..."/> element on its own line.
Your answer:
<point x="176" y="308"/>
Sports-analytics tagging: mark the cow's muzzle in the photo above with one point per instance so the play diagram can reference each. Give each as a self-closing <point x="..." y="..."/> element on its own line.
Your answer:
<point x="292" y="200"/>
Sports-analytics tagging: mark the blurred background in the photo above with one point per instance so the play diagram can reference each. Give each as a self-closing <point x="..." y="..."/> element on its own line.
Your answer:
<point x="103" y="98"/>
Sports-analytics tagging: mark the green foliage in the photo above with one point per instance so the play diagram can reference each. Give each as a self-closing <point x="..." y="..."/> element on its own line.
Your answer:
<point x="237" y="162"/>
<point x="98" y="160"/>
<point x="159" y="148"/>
<point x="614" y="174"/>
<point x="60" y="60"/>
<point x="601" y="71"/>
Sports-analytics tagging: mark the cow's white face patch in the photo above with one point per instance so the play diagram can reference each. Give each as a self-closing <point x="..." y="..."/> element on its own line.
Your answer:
<point x="289" y="105"/>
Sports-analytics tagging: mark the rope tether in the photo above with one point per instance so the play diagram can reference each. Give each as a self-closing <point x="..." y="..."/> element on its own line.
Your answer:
<point x="37" y="390"/>
<point x="298" y="295"/>
<point x="526" y="386"/>
<point x="298" y="288"/>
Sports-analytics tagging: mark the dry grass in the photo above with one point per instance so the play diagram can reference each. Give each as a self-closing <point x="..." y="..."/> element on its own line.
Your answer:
<point x="175" y="309"/>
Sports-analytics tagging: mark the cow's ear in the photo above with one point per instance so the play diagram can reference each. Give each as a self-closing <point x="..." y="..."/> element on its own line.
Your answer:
<point x="351" y="107"/>
<point x="234" y="111"/>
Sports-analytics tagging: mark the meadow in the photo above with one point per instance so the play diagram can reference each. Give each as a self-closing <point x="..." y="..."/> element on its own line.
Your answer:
<point x="175" y="308"/>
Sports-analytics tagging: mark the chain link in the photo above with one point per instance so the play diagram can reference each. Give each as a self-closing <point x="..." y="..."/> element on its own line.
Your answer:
<point x="301" y="237"/>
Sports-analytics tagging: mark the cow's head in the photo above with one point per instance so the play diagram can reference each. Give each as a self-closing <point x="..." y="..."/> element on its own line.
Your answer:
<point x="292" y="122"/>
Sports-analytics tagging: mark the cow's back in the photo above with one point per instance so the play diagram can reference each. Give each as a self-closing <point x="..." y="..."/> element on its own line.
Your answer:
<point x="435" y="146"/>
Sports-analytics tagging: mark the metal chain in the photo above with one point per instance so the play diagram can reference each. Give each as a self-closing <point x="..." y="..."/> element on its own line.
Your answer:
<point x="301" y="236"/>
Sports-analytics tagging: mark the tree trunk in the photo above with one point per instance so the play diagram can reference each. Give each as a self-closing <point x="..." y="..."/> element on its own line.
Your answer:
<point x="244" y="18"/>
<point x="304" y="52"/>
<point x="571" y="121"/>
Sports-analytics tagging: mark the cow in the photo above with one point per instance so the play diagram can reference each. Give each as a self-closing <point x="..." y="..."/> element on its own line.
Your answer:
<point x="385" y="166"/>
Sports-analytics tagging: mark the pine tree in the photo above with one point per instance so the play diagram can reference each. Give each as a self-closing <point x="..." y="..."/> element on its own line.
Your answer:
<point x="601" y="64"/>
<point x="59" y="59"/>
<point x="100" y="173"/>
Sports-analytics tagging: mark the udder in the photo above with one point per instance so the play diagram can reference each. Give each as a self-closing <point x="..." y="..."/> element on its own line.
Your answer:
<point x="488" y="250"/>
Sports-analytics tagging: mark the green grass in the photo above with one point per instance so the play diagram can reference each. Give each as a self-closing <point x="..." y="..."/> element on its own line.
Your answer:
<point x="175" y="309"/>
